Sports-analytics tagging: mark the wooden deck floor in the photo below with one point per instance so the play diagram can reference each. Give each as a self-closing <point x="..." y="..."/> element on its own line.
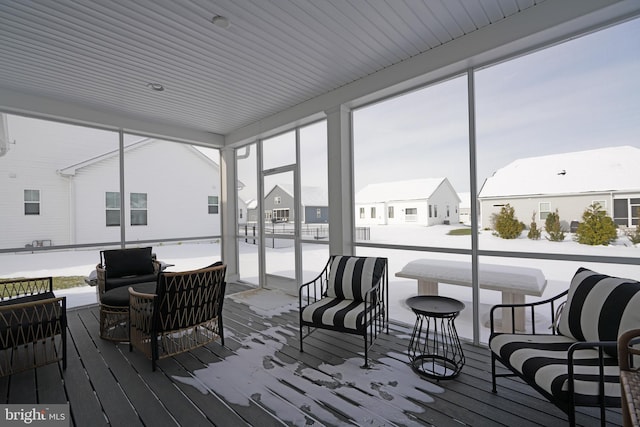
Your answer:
<point x="260" y="378"/>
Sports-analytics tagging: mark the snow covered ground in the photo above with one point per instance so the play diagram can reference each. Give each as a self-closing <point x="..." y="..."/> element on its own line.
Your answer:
<point x="189" y="256"/>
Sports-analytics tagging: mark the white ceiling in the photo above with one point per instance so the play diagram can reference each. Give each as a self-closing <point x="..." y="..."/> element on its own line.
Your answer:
<point x="275" y="55"/>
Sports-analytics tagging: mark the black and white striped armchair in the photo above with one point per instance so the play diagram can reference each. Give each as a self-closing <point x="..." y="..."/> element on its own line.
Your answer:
<point x="577" y="363"/>
<point x="350" y="295"/>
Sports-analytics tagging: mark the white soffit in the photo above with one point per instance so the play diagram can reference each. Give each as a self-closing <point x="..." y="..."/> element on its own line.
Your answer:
<point x="97" y="58"/>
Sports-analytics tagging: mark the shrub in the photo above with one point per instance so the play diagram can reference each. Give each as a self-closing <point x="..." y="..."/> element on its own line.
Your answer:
<point x="506" y="224"/>
<point x="534" y="232"/>
<point x="553" y="227"/>
<point x="634" y="235"/>
<point x="596" y="227"/>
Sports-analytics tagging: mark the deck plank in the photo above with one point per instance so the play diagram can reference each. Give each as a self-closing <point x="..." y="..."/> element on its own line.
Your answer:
<point x="276" y="384"/>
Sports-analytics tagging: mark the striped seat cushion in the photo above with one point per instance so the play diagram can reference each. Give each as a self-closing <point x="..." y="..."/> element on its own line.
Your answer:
<point x="351" y="277"/>
<point x="336" y="313"/>
<point x="542" y="361"/>
<point x="600" y="307"/>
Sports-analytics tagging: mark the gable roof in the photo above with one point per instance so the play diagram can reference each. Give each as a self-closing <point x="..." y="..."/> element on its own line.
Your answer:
<point x="603" y="169"/>
<point x="413" y="189"/>
<point x="311" y="196"/>
<point x="71" y="170"/>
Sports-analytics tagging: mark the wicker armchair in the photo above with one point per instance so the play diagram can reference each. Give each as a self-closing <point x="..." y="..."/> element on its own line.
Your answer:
<point x="185" y="313"/>
<point x="33" y="325"/>
<point x="125" y="267"/>
<point x="629" y="356"/>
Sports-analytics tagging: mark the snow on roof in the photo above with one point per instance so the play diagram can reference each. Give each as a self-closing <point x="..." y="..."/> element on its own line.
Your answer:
<point x="311" y="196"/>
<point x="413" y="189"/>
<point x="465" y="200"/>
<point x="604" y="169"/>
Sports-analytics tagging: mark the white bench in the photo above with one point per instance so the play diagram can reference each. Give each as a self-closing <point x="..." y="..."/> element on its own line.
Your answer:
<point x="513" y="282"/>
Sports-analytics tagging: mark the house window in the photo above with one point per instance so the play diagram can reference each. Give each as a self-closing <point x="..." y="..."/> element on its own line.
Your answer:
<point x="411" y="214"/>
<point x="112" y="206"/>
<point x="213" y="204"/>
<point x="390" y="211"/>
<point x="277" y="200"/>
<point x="435" y="211"/>
<point x="430" y="211"/>
<point x="373" y="212"/>
<point x="635" y="211"/>
<point x="544" y="209"/>
<point x="138" y="208"/>
<point x="361" y="213"/>
<point x="448" y="211"/>
<point x="240" y="213"/>
<point x="318" y="213"/>
<point x="32" y="202"/>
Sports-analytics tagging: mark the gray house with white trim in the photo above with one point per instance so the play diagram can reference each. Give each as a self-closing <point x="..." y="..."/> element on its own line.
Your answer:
<point x="568" y="182"/>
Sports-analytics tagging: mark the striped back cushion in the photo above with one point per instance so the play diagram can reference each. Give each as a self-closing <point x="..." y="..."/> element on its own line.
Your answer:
<point x="600" y="307"/>
<point x="351" y="277"/>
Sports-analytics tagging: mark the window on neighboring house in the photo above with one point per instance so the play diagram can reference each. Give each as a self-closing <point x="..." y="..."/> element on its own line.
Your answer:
<point x="213" y="204"/>
<point x="32" y="202"/>
<point x="411" y="214"/>
<point x="435" y="211"/>
<point x="373" y="212"/>
<point x="240" y="213"/>
<point x="138" y="208"/>
<point x="277" y="200"/>
<point x="448" y="211"/>
<point x="390" y="211"/>
<point x="544" y="209"/>
<point x="112" y="207"/>
<point x="361" y="213"/>
<point x="430" y="211"/>
<point x="635" y="211"/>
<point x="318" y="213"/>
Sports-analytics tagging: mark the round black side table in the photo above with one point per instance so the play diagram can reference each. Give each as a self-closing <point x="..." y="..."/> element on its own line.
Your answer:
<point x="435" y="350"/>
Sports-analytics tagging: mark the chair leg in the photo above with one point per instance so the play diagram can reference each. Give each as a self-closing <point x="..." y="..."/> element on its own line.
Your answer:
<point x="220" y="329"/>
<point x="366" y="353"/>
<point x="493" y="373"/>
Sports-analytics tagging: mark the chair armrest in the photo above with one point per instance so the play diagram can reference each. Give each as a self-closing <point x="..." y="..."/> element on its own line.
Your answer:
<point x="625" y="349"/>
<point x="141" y="310"/>
<point x="315" y="288"/>
<point x="10" y="288"/>
<point x="101" y="276"/>
<point x="601" y="346"/>
<point x="551" y="302"/>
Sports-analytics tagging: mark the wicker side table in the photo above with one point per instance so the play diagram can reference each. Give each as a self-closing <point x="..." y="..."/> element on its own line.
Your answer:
<point x="114" y="311"/>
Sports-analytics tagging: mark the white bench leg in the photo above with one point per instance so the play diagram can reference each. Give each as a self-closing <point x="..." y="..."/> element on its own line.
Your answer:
<point x="511" y="298"/>
<point x="427" y="287"/>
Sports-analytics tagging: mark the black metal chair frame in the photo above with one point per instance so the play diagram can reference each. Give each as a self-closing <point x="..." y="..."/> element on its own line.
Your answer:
<point x="556" y="304"/>
<point x="376" y="316"/>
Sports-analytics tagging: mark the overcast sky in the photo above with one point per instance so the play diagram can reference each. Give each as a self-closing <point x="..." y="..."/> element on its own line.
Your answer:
<point x="578" y="95"/>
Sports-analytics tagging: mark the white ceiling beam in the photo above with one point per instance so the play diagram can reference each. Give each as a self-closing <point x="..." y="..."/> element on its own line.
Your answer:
<point x="47" y="108"/>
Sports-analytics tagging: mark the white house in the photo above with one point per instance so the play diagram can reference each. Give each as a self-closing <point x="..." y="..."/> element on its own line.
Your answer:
<point x="80" y="203"/>
<point x="423" y="201"/>
<point x="568" y="182"/>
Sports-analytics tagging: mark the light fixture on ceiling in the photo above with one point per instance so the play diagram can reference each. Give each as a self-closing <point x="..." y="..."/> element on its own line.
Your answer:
<point x="155" y="86"/>
<point x="220" y="21"/>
